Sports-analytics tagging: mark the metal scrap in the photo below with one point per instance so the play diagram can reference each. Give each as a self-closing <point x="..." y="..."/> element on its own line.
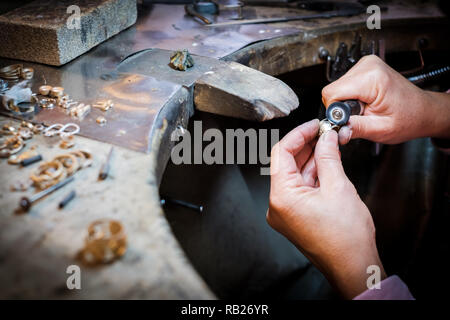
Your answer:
<point x="181" y="60"/>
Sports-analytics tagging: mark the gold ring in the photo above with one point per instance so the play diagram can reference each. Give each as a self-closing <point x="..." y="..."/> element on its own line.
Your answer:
<point x="106" y="241"/>
<point x="45" y="90"/>
<point x="27" y="73"/>
<point x="69" y="162"/>
<point x="87" y="158"/>
<point x="42" y="173"/>
<point x="56" y="92"/>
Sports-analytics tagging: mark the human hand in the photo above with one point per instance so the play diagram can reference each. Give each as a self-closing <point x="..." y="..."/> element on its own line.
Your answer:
<point x="396" y="110"/>
<point x="314" y="205"/>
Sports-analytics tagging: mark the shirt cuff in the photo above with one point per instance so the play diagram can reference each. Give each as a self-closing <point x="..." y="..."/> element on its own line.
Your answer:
<point x="392" y="288"/>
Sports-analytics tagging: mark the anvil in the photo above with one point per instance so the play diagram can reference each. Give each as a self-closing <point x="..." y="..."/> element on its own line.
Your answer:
<point x="149" y="95"/>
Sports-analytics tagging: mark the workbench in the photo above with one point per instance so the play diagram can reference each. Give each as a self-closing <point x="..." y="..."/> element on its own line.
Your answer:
<point x="37" y="247"/>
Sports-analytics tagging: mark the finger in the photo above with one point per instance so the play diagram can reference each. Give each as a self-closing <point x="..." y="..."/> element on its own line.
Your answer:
<point x="283" y="166"/>
<point x="366" y="127"/>
<point x="345" y="134"/>
<point x="309" y="172"/>
<point x="358" y="87"/>
<point x="303" y="155"/>
<point x="328" y="161"/>
<point x="360" y="82"/>
<point x="295" y="140"/>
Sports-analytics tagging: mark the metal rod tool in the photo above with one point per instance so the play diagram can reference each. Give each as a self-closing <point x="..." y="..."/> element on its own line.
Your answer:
<point x="26" y="203"/>
<point x="182" y="203"/>
<point x="104" y="170"/>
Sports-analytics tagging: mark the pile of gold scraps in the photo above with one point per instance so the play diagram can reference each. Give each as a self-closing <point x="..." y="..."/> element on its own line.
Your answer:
<point x="48" y="96"/>
<point x="15" y="72"/>
<point x="54" y="96"/>
<point x="104" y="105"/>
<point x="106" y="241"/>
<point x="12" y="139"/>
<point x="19" y="92"/>
<point x="66" y="135"/>
<point x="51" y="172"/>
<point x="181" y="60"/>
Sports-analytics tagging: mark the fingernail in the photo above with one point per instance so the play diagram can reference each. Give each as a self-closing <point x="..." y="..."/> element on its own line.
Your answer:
<point x="313" y="121"/>
<point x="345" y="134"/>
<point x="328" y="135"/>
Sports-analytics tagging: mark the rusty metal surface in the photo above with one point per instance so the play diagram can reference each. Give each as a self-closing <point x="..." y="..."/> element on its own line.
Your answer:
<point x="155" y="63"/>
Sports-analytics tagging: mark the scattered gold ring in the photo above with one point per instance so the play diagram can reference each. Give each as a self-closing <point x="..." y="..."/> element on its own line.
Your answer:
<point x="69" y="162"/>
<point x="45" y="90"/>
<point x="41" y="174"/>
<point x="56" y="92"/>
<point x="106" y="241"/>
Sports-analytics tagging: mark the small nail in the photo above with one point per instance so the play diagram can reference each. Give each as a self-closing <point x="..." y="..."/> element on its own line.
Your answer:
<point x="329" y="135"/>
<point x="345" y="134"/>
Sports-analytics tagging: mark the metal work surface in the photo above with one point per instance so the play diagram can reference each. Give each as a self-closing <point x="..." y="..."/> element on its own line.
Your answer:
<point x="137" y="101"/>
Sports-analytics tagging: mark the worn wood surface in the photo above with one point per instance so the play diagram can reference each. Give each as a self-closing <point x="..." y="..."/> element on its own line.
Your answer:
<point x="37" y="247"/>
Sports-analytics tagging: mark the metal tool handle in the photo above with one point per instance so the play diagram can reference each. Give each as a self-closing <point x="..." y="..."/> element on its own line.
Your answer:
<point x="339" y="112"/>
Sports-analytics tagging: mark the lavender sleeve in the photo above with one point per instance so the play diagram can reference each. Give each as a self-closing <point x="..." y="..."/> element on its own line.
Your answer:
<point x="392" y="288"/>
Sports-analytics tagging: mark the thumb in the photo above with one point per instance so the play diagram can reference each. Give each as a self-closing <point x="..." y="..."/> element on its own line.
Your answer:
<point x="328" y="160"/>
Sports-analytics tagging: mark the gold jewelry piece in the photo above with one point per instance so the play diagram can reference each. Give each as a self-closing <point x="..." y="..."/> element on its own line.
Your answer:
<point x="10" y="146"/>
<point x="54" y="129"/>
<point x="28" y="125"/>
<point x="63" y="132"/>
<point x="16" y="159"/>
<point x="106" y="241"/>
<point x="80" y="156"/>
<point x="326" y="125"/>
<point x="85" y="158"/>
<point x="25" y="133"/>
<point x="67" y="142"/>
<point x="8" y="129"/>
<point x="27" y="73"/>
<point x="45" y="90"/>
<point x="47" y="171"/>
<point x="13" y="107"/>
<point x="11" y="72"/>
<point x="80" y="111"/>
<point x="101" y="121"/>
<point x="104" y="105"/>
<point x="38" y="128"/>
<point x="69" y="162"/>
<point x="48" y="183"/>
<point x="56" y="92"/>
<point x="181" y="60"/>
